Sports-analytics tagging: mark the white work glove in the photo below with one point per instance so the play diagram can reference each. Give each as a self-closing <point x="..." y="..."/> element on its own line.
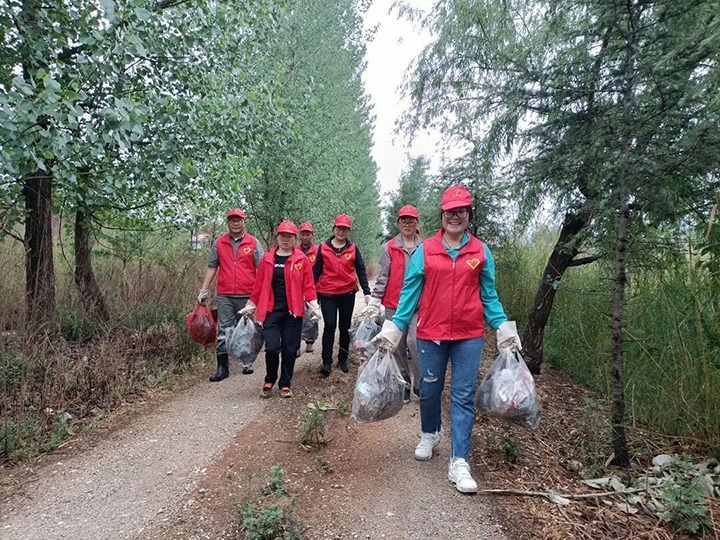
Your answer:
<point x="367" y="299"/>
<point x="248" y="310"/>
<point x="389" y="336"/>
<point x="315" y="309"/>
<point x="203" y="296"/>
<point x="372" y="310"/>
<point x="507" y="337"/>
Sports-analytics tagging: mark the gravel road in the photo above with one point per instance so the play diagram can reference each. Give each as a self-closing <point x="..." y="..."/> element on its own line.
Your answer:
<point x="139" y="472"/>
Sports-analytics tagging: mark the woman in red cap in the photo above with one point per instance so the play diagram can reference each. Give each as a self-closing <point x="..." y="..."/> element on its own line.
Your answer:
<point x="310" y="327"/>
<point x="284" y="283"/>
<point x="234" y="258"/>
<point x="338" y="268"/>
<point x="394" y="258"/>
<point x="452" y="279"/>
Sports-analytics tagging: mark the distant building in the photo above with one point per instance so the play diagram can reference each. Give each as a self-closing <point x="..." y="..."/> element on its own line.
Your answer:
<point x="199" y="241"/>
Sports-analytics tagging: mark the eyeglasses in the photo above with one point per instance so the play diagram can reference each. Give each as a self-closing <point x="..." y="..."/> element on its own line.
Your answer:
<point x="462" y="214"/>
<point x="407" y="221"/>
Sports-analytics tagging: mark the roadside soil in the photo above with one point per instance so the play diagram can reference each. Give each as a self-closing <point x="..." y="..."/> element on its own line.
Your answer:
<point x="177" y="468"/>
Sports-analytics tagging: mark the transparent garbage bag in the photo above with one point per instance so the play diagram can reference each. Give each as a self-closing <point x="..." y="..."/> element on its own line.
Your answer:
<point x="243" y="343"/>
<point x="379" y="389"/>
<point x="508" y="391"/>
<point x="309" y="327"/>
<point x="361" y="336"/>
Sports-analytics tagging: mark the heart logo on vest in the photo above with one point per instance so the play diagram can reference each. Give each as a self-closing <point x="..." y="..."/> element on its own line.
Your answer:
<point x="473" y="263"/>
<point x="348" y="256"/>
<point x="312" y="258"/>
<point x="247" y="250"/>
<point x="298" y="266"/>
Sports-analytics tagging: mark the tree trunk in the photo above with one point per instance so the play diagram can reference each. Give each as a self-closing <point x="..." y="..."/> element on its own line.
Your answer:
<point x="560" y="260"/>
<point x="617" y="366"/>
<point x="39" y="268"/>
<point x="88" y="290"/>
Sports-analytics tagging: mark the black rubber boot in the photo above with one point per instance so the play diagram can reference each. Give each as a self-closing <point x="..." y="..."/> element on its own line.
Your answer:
<point x="326" y="368"/>
<point x="223" y="371"/>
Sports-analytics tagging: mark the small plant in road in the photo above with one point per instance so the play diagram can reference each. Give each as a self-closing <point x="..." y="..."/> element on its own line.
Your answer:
<point x="313" y="427"/>
<point x="683" y="498"/>
<point x="268" y="513"/>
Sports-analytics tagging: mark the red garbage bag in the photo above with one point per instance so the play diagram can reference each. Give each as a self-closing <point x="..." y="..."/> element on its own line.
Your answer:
<point x="202" y="325"/>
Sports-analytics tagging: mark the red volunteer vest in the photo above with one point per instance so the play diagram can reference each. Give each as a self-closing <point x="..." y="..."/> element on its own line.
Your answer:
<point x="397" y="274"/>
<point x="236" y="276"/>
<point x="312" y="253"/>
<point x="450" y="305"/>
<point x="299" y="284"/>
<point x="338" y="275"/>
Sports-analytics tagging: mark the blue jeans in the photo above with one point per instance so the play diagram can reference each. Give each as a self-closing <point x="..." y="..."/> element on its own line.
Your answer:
<point x="464" y="356"/>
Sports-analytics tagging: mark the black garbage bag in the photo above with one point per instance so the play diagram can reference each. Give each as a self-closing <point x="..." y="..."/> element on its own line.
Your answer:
<point x="309" y="327"/>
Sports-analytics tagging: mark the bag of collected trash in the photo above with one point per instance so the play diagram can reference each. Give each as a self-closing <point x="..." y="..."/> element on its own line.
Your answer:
<point x="361" y="336"/>
<point x="202" y="325"/>
<point x="243" y="343"/>
<point x="379" y="389"/>
<point x="309" y="327"/>
<point x="508" y="391"/>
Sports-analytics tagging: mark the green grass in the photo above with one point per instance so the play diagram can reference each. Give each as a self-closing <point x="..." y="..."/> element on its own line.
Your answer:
<point x="672" y="336"/>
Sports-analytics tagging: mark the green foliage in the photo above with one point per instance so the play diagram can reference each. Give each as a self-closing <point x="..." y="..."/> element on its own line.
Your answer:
<point x="672" y="380"/>
<point x="510" y="446"/>
<point x="76" y="327"/>
<point x="12" y="366"/>
<point x="683" y="498"/>
<point x="270" y="513"/>
<point x="313" y="427"/>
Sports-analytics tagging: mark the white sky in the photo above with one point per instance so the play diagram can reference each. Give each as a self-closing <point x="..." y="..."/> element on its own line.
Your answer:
<point x="395" y="45"/>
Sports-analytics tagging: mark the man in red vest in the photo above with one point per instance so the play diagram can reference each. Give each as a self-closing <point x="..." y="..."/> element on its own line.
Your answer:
<point x="393" y="259"/>
<point x="234" y="258"/>
<point x="310" y="326"/>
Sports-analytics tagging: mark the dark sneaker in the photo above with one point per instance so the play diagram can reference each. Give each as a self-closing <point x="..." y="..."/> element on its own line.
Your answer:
<point x="416" y="391"/>
<point x="325" y="371"/>
<point x="406" y="398"/>
<point x="247" y="370"/>
<point x="343" y="367"/>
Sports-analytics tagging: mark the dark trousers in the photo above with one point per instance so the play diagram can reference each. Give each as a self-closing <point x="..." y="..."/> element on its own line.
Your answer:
<point x="337" y="310"/>
<point x="282" y="339"/>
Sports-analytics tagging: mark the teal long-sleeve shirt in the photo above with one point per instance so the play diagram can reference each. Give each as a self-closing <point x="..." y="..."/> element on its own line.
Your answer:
<point x="415" y="280"/>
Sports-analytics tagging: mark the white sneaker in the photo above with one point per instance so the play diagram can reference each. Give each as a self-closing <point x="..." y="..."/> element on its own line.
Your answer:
<point x="459" y="474"/>
<point x="425" y="448"/>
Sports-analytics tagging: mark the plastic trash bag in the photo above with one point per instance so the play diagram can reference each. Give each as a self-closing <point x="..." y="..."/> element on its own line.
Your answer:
<point x="202" y="325"/>
<point x="508" y="391"/>
<point x="361" y="336"/>
<point x="309" y="327"/>
<point x="243" y="343"/>
<point x="379" y="389"/>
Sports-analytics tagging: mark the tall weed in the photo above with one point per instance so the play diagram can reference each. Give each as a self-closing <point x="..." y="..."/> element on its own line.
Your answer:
<point x="672" y="337"/>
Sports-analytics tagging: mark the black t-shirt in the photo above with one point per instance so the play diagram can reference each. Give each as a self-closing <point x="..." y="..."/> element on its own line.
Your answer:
<point x="278" y="283"/>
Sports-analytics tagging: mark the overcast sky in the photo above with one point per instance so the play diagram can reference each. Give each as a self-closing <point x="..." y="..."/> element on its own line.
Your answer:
<point x="395" y="44"/>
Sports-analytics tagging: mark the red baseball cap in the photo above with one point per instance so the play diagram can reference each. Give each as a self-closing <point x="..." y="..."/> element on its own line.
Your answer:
<point x="343" y="220"/>
<point x="286" y="227"/>
<point x="408" y="211"/>
<point x="235" y="212"/>
<point x="455" y="197"/>
<point x="306" y="227"/>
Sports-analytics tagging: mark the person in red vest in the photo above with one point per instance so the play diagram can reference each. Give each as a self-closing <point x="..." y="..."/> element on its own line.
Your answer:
<point x="338" y="267"/>
<point x="234" y="258"/>
<point x="393" y="259"/>
<point x="451" y="277"/>
<point x="284" y="283"/>
<point x="310" y="327"/>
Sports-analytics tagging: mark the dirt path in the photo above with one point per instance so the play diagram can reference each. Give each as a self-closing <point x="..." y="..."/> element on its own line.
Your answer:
<point x="177" y="471"/>
<point x="137" y="474"/>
